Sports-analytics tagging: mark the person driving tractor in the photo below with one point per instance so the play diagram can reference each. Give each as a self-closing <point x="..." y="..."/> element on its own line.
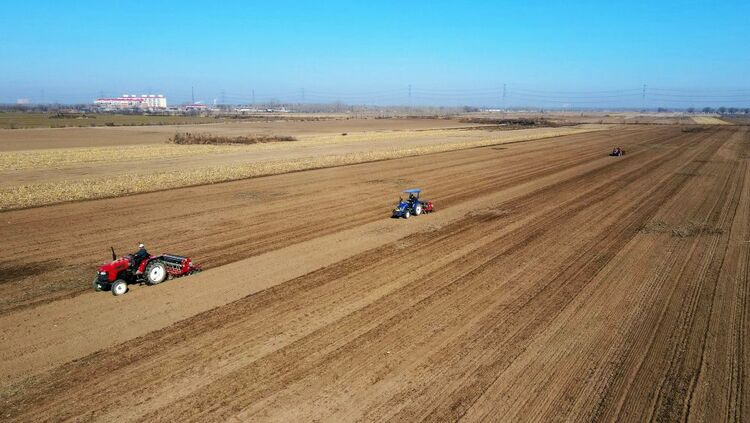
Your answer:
<point x="140" y="255"/>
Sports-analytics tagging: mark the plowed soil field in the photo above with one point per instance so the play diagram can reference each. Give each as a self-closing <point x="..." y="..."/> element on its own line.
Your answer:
<point x="553" y="283"/>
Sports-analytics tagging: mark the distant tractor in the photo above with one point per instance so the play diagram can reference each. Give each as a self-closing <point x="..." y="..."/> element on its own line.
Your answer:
<point x="617" y="152"/>
<point x="116" y="275"/>
<point x="412" y="205"/>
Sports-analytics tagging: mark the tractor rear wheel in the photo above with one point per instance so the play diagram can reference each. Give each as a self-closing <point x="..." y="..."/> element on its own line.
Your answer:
<point x="417" y="209"/>
<point x="119" y="287"/>
<point x="156" y="273"/>
<point x="96" y="284"/>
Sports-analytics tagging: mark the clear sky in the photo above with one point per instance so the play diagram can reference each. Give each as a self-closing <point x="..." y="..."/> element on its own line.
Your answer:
<point x="551" y="53"/>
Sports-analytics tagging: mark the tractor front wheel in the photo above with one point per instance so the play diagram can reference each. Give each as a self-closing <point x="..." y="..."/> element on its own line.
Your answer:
<point x="156" y="273"/>
<point x="95" y="285"/>
<point x="407" y="214"/>
<point x="119" y="287"/>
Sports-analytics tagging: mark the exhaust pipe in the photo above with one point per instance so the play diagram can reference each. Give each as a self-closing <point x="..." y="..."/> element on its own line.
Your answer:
<point x="114" y="256"/>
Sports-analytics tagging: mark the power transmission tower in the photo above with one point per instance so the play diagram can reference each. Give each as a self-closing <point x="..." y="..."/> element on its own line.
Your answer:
<point x="253" y="98"/>
<point x="410" y="97"/>
<point x="504" y="108"/>
<point x="192" y="94"/>
<point x="223" y="97"/>
<point x="303" y="95"/>
<point x="643" y="99"/>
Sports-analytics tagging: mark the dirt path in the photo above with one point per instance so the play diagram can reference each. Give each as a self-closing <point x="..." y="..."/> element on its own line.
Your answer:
<point x="548" y="286"/>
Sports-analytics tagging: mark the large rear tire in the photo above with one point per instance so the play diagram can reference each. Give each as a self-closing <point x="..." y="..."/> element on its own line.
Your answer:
<point x="156" y="273"/>
<point x="119" y="287"/>
<point x="417" y="209"/>
<point x="95" y="285"/>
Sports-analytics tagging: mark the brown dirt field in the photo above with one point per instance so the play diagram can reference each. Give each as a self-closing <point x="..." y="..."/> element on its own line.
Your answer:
<point x="629" y="118"/>
<point x="550" y="285"/>
<point x="31" y="139"/>
<point x="230" y="219"/>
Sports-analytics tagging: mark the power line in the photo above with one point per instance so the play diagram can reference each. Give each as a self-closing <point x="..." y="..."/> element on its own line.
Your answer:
<point x="717" y="96"/>
<point x="566" y="101"/>
<point x="666" y="100"/>
<point x="699" y="90"/>
<point x="576" y="97"/>
<point x="584" y="92"/>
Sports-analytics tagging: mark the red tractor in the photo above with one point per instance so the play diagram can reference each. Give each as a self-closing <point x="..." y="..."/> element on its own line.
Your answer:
<point x="119" y="273"/>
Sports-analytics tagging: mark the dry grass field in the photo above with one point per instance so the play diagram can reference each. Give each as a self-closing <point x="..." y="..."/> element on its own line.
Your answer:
<point x="47" y="176"/>
<point x="709" y="120"/>
<point x="553" y="282"/>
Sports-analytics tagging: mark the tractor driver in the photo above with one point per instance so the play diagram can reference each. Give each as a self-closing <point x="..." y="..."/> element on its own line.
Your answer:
<point x="412" y="197"/>
<point x="140" y="255"/>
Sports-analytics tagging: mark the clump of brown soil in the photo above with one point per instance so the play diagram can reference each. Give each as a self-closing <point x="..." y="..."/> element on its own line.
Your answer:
<point x="189" y="138"/>
<point x="657" y="226"/>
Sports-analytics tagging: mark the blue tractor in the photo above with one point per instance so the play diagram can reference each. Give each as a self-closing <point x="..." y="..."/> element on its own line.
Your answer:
<point x="412" y="205"/>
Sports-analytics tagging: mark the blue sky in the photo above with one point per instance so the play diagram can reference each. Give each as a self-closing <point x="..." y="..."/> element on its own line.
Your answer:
<point x="449" y="52"/>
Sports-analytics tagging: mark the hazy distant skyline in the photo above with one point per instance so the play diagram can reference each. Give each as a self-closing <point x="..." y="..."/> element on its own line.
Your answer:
<point x="547" y="53"/>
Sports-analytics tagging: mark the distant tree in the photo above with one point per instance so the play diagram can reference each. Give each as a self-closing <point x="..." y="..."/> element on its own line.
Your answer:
<point x="691" y="109"/>
<point x="722" y="110"/>
<point x="747" y="110"/>
<point x="707" y="110"/>
<point x="662" y="109"/>
<point x="732" y="110"/>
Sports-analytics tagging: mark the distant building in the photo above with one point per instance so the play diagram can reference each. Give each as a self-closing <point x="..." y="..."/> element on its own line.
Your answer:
<point x="144" y="101"/>
<point x="195" y="107"/>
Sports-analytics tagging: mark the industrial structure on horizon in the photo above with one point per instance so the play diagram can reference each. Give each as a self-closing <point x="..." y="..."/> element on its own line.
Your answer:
<point x="126" y="101"/>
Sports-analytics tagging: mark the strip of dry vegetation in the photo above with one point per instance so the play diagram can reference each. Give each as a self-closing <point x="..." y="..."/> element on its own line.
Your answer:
<point x="189" y="138"/>
<point x="685" y="230"/>
<point x="457" y="134"/>
<point x="33" y="195"/>
<point x="694" y="129"/>
<point x="510" y="123"/>
<point x="709" y="120"/>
